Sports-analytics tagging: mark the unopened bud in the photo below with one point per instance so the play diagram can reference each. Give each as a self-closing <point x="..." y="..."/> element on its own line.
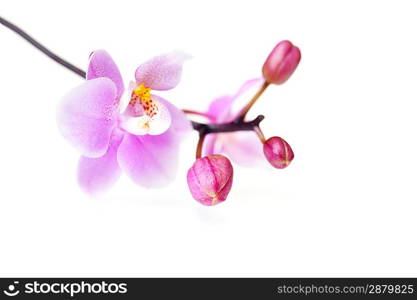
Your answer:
<point x="281" y="62"/>
<point x="210" y="179"/>
<point x="278" y="152"/>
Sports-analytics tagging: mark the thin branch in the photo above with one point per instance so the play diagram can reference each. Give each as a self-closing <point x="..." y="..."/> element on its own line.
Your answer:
<point x="248" y="106"/>
<point x="200" y="143"/>
<point x="197" y="113"/>
<point x="42" y="48"/>
<point x="238" y="125"/>
<point x="260" y="134"/>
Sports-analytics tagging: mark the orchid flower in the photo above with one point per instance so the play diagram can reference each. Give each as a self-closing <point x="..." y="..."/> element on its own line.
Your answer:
<point x="242" y="147"/>
<point x="136" y="132"/>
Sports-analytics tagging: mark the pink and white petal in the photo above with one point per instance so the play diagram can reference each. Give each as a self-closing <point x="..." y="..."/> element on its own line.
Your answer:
<point x="134" y="110"/>
<point x="160" y="122"/>
<point x="180" y="125"/>
<point x="219" y="109"/>
<point x="102" y="65"/>
<point x="248" y="85"/>
<point x="87" y="116"/>
<point x="225" y="108"/>
<point x="136" y="122"/>
<point x="243" y="147"/>
<point x="135" y="125"/>
<point x="150" y="160"/>
<point x="161" y="72"/>
<point x="212" y="144"/>
<point x="244" y="94"/>
<point x="96" y="175"/>
<point x="124" y="105"/>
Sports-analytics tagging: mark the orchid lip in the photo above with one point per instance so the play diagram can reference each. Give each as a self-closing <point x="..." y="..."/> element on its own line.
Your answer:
<point x="145" y="114"/>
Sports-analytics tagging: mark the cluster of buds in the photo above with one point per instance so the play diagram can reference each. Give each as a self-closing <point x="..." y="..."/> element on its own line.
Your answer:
<point x="210" y="178"/>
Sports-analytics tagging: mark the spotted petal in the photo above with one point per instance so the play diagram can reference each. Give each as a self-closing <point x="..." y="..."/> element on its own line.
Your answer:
<point x="136" y="120"/>
<point x="161" y="72"/>
<point x="87" y="116"/>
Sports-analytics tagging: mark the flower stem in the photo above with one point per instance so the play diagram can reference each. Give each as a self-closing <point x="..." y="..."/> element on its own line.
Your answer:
<point x="260" y="134"/>
<point x="237" y="125"/>
<point x="42" y="48"/>
<point x="248" y="106"/>
<point x="200" y="143"/>
<point x="193" y="112"/>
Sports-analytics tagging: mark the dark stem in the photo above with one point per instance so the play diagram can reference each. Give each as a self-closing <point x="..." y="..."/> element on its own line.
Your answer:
<point x="237" y="125"/>
<point x="43" y="49"/>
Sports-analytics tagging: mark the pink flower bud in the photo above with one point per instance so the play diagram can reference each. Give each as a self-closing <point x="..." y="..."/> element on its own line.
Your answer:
<point x="210" y="179"/>
<point x="281" y="62"/>
<point x="278" y="152"/>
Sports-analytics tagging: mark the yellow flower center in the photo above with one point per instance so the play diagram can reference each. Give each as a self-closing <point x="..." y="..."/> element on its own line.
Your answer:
<point x="143" y="92"/>
<point x="142" y="95"/>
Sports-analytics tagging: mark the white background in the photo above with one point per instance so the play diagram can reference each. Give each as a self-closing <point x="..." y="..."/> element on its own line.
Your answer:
<point x="346" y="206"/>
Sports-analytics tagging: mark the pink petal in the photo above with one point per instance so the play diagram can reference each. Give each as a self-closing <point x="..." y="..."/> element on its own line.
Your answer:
<point x="243" y="148"/>
<point x="161" y="72"/>
<point x="136" y="120"/>
<point x="149" y="160"/>
<point x="87" y="115"/>
<point x="180" y="125"/>
<point x="220" y="109"/>
<point x="160" y="122"/>
<point x="95" y="175"/>
<point x="211" y="146"/>
<point x="226" y="108"/>
<point x="102" y="65"/>
<point x="247" y="91"/>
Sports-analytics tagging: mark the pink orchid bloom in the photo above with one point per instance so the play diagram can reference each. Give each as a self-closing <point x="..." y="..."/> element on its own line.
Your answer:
<point x="242" y="147"/>
<point x="139" y="136"/>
